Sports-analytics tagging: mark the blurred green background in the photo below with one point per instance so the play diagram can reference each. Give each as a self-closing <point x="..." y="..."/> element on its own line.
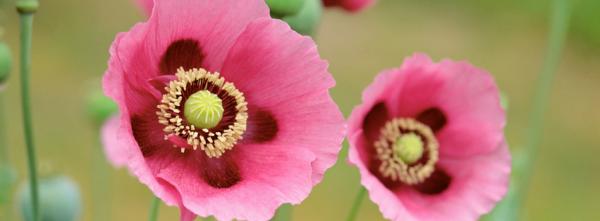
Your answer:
<point x="507" y="38"/>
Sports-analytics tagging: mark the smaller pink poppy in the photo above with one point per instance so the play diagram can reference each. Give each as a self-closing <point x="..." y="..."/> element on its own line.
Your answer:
<point x="350" y="5"/>
<point x="428" y="141"/>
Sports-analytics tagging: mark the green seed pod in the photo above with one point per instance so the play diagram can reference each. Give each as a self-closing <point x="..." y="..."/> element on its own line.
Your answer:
<point x="27" y="6"/>
<point x="59" y="200"/>
<point x="5" y="63"/>
<point x="307" y="20"/>
<point x="7" y="178"/>
<point x="504" y="101"/>
<point x="100" y="107"/>
<point x="282" y="8"/>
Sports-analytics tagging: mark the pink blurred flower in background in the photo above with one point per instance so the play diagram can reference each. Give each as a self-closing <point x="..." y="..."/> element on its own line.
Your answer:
<point x="350" y="5"/>
<point x="223" y="110"/>
<point x="428" y="141"/>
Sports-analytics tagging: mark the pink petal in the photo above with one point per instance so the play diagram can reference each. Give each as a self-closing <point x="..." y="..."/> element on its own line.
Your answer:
<point x="215" y="25"/>
<point x="388" y="203"/>
<point x="478" y="183"/>
<point x="468" y="98"/>
<point x="375" y="94"/>
<point x="476" y="118"/>
<point x="115" y="151"/>
<point x="138" y="166"/>
<point x="128" y="89"/>
<point x="114" y="83"/>
<point x="270" y="176"/>
<point x="280" y="71"/>
<point x="186" y="215"/>
<point x="144" y="50"/>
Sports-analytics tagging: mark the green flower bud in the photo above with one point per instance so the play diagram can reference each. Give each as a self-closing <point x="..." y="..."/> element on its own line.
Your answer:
<point x="306" y="21"/>
<point x="504" y="101"/>
<point x="100" y="107"/>
<point x="282" y="8"/>
<point x="5" y="63"/>
<point x="60" y="200"/>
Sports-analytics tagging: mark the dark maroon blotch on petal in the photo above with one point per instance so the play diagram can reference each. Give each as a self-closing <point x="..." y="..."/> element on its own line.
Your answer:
<point x="374" y="121"/>
<point x="434" y="118"/>
<point x="262" y="126"/>
<point x="186" y="53"/>
<point x="144" y="135"/>
<point x="435" y="184"/>
<point x="220" y="172"/>
<point x="374" y="164"/>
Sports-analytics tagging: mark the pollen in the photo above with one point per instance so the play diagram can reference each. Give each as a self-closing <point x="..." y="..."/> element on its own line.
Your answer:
<point x="200" y="110"/>
<point x="408" y="151"/>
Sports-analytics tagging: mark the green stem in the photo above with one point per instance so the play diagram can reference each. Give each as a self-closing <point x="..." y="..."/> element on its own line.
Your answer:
<point x="100" y="181"/>
<point x="154" y="209"/>
<point x="558" y="31"/>
<point x="4" y="163"/>
<point x="26" y="10"/>
<point x="356" y="205"/>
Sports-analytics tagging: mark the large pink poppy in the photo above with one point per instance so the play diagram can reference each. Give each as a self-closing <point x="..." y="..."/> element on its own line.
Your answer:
<point x="223" y="110"/>
<point x="428" y="141"/>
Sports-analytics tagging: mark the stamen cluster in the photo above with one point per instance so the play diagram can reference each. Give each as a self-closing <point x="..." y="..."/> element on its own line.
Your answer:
<point x="213" y="141"/>
<point x="393" y="165"/>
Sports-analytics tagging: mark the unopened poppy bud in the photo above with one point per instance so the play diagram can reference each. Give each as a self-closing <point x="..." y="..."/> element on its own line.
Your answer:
<point x="100" y="107"/>
<point x="7" y="178"/>
<point x="27" y="6"/>
<point x="306" y="21"/>
<point x="59" y="200"/>
<point x="5" y="63"/>
<point x="282" y="8"/>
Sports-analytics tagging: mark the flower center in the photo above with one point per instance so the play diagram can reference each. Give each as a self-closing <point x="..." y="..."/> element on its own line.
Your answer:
<point x="409" y="148"/>
<point x="408" y="151"/>
<point x="203" y="109"/>
<point x="213" y="115"/>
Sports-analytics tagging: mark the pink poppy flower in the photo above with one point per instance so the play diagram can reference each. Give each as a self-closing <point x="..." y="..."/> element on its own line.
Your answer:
<point x="428" y="141"/>
<point x="350" y="5"/>
<point x="223" y="110"/>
